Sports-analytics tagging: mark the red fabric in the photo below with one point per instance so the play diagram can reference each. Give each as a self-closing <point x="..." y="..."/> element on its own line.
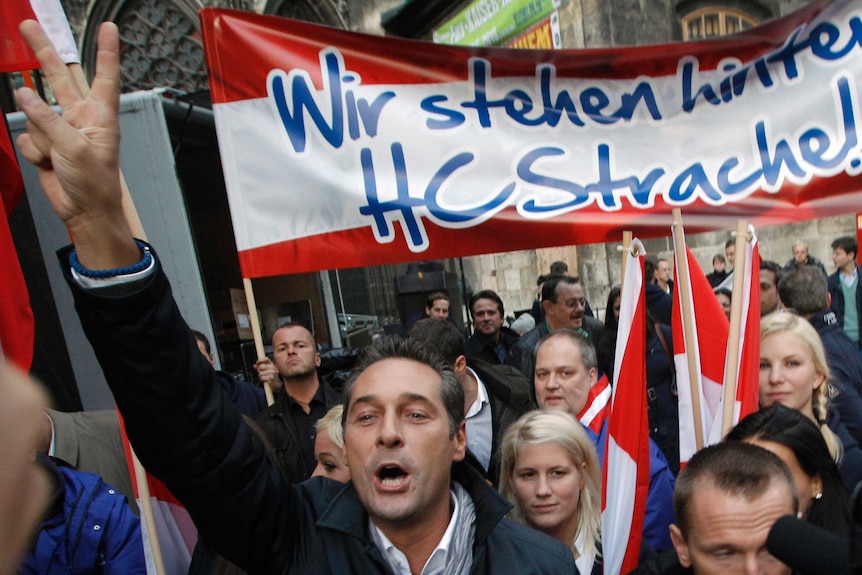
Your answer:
<point x="17" y="327"/>
<point x="628" y="432"/>
<point x="748" y="382"/>
<point x="598" y="406"/>
<point x="15" y="54"/>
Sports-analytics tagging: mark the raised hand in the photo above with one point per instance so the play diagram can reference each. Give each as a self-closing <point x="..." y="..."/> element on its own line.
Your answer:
<point x="77" y="154"/>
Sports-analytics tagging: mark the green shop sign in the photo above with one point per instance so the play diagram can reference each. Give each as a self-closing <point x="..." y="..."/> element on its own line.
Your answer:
<point x="492" y="22"/>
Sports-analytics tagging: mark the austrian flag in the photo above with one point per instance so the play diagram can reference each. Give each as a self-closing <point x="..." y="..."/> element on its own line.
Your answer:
<point x="626" y="474"/>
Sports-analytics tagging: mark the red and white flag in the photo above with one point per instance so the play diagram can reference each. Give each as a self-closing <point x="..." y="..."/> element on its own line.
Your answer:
<point x="710" y="327"/>
<point x="747" y="365"/>
<point x="598" y="406"/>
<point x="626" y="472"/>
<point x="15" y="54"/>
<point x="17" y="327"/>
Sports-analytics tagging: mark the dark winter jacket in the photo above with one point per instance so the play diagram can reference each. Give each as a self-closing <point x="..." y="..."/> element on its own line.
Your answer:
<point x="510" y="398"/>
<point x="838" y="304"/>
<point x="479" y="346"/>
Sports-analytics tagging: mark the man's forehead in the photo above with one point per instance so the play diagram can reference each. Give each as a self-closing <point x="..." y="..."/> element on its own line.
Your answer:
<point x="565" y="289"/>
<point x="559" y="350"/>
<point x="395" y="375"/>
<point x="293" y="333"/>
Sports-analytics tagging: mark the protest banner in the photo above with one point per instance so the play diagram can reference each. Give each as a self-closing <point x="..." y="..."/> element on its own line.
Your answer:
<point x="345" y="150"/>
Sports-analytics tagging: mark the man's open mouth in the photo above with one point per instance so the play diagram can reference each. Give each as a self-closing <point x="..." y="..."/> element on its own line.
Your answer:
<point x="391" y="475"/>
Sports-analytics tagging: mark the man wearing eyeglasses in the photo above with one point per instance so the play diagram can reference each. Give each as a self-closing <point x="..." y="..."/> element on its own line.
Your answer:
<point x="564" y="303"/>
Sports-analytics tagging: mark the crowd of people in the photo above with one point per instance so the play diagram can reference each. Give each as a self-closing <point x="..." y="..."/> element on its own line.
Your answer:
<point x="437" y="453"/>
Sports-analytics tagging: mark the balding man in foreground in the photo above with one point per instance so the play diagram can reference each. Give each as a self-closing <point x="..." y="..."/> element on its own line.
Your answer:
<point x="727" y="498"/>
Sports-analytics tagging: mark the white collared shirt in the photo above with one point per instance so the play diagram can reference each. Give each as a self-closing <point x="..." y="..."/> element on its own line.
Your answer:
<point x="398" y="560"/>
<point x="848" y="279"/>
<point x="480" y="425"/>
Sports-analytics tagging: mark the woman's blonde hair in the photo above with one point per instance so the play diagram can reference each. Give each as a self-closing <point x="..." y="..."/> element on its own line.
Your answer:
<point x="564" y="430"/>
<point x="800" y="327"/>
<point x="331" y="424"/>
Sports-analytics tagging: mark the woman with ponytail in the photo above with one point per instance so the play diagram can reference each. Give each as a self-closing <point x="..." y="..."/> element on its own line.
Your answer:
<point x="794" y="373"/>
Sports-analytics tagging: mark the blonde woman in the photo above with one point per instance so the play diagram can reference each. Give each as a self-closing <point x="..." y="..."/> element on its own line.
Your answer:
<point x="794" y="373"/>
<point x="328" y="447"/>
<point x="550" y="473"/>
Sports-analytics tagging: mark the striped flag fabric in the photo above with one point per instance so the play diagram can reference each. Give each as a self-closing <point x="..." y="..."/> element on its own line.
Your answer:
<point x="15" y="54"/>
<point x="626" y="473"/>
<point x="748" y="363"/>
<point x="598" y="406"/>
<point x="709" y="340"/>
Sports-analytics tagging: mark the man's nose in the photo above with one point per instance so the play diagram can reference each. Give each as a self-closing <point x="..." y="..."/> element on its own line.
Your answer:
<point x="389" y="431"/>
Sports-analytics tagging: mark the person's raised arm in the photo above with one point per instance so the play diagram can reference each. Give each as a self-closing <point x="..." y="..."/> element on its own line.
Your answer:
<point x="77" y="154"/>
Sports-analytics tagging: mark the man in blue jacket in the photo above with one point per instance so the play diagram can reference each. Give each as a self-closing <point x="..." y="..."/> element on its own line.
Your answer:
<point x="413" y="506"/>
<point x="566" y="369"/>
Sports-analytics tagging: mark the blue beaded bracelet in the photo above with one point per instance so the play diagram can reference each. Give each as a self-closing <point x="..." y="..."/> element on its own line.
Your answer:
<point x="145" y="262"/>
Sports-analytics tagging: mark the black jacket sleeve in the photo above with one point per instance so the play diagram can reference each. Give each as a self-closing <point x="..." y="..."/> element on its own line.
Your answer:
<point x="181" y="425"/>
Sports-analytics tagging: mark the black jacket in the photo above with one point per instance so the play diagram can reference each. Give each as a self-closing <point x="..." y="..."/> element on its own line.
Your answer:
<point x="191" y="437"/>
<point x="478" y="346"/>
<point x="837" y="292"/>
<point x="279" y="426"/>
<point x="510" y="398"/>
<point x="845" y="371"/>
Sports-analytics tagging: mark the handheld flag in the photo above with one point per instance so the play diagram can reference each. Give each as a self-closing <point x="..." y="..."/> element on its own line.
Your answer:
<point x="626" y="473"/>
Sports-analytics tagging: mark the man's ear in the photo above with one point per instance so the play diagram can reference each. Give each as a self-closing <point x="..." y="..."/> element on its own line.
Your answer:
<point x="460" y="439"/>
<point x="460" y="365"/>
<point x="680" y="546"/>
<point x="317" y="359"/>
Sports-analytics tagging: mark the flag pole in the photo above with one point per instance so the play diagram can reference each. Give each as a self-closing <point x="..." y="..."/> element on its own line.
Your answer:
<point x="140" y="473"/>
<point x="684" y="289"/>
<point x="627" y="243"/>
<point x="731" y="367"/>
<point x="255" y="328"/>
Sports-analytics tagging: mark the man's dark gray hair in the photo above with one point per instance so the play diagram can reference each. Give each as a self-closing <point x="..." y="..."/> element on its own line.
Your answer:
<point x="559" y="268"/>
<point x="549" y="290"/>
<point x="588" y="350"/>
<point x="735" y="468"/>
<point x="803" y="290"/>
<point x="441" y="336"/>
<point x="396" y="347"/>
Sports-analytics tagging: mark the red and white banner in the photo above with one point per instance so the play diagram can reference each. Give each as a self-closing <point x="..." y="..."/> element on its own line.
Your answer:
<point x="710" y="327"/>
<point x="343" y="150"/>
<point x="626" y="473"/>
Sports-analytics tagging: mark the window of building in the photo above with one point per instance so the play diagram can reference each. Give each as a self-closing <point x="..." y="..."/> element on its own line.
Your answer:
<point x="711" y="22"/>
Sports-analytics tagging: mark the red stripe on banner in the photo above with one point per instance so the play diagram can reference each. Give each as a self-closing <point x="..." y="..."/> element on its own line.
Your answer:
<point x="15" y="54"/>
<point x="242" y="47"/>
<point x="508" y="231"/>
